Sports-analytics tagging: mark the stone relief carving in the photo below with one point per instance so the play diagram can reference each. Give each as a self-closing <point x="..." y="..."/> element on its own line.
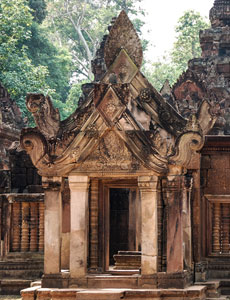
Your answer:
<point x="110" y="154"/>
<point x="123" y="124"/>
<point x="123" y="35"/>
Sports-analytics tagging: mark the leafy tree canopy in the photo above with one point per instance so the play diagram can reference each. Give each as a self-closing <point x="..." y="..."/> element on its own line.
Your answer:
<point x="17" y="72"/>
<point x="186" y="47"/>
<point x="38" y="10"/>
<point x="29" y="62"/>
<point x="80" y="25"/>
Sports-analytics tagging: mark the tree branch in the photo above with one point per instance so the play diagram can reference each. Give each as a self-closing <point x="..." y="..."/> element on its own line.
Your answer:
<point x="83" y="66"/>
<point x="77" y="28"/>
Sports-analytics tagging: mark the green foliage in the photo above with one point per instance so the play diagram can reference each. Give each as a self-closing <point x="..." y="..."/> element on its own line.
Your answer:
<point x="57" y="61"/>
<point x="74" y="96"/>
<point x="186" y="47"/>
<point x="29" y="62"/>
<point x="80" y="25"/>
<point x="38" y="10"/>
<point x="17" y="73"/>
<point x="160" y="71"/>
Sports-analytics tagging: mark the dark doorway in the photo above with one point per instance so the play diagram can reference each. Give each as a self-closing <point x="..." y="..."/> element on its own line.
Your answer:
<point x="119" y="221"/>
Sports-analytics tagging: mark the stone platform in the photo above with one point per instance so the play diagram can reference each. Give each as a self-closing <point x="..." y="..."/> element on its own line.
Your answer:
<point x="194" y="292"/>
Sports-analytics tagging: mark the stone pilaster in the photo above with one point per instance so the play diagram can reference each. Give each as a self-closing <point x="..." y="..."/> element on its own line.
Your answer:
<point x="187" y="226"/>
<point x="16" y="227"/>
<point x="79" y="186"/>
<point x="53" y="225"/>
<point x="175" y="187"/>
<point x="34" y="226"/>
<point x="93" y="230"/>
<point x="25" y="238"/>
<point x="41" y="227"/>
<point x="149" y="231"/>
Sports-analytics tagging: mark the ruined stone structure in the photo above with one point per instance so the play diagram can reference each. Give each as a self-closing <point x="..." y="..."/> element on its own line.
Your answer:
<point x="136" y="182"/>
<point x="21" y="205"/>
<point x="11" y="123"/>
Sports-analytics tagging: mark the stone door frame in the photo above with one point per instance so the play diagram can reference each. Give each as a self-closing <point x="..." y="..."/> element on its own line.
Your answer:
<point x="104" y="219"/>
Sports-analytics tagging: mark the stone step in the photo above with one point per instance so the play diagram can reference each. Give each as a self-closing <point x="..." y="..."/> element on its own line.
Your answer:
<point x="36" y="293"/>
<point x="13" y="286"/>
<point x="220" y="298"/>
<point x="21" y="269"/>
<point x="213" y="288"/>
<point x="123" y="272"/>
<point x="225" y="286"/>
<point x="111" y="281"/>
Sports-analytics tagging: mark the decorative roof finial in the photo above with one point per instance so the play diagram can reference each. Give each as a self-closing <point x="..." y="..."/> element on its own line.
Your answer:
<point x="122" y="35"/>
<point x="220" y="13"/>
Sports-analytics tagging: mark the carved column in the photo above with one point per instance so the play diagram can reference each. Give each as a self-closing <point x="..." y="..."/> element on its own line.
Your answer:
<point x="79" y="186"/>
<point x="41" y="227"/>
<point x="225" y="226"/>
<point x="16" y="227"/>
<point x="25" y="227"/>
<point x="93" y="230"/>
<point x="53" y="224"/>
<point x="133" y="220"/>
<point x="33" y="226"/>
<point x="175" y="186"/>
<point x="149" y="196"/>
<point x="216" y="228"/>
<point x="187" y="230"/>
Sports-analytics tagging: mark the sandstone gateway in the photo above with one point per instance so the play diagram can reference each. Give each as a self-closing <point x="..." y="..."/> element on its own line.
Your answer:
<point x="136" y="182"/>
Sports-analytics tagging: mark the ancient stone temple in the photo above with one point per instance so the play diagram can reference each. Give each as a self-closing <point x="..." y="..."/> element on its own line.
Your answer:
<point x="137" y="199"/>
<point x="21" y="205"/>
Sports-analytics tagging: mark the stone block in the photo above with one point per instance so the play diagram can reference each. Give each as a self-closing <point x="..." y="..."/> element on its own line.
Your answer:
<point x="127" y="260"/>
<point x="216" y="182"/>
<point x="205" y="162"/>
<point x="100" y="295"/>
<point x="65" y="251"/>
<point x="178" y="280"/>
<point x="143" y="294"/>
<point x="220" y="161"/>
<point x="147" y="281"/>
<point x="112" y="282"/>
<point x="54" y="281"/>
<point x="44" y="294"/>
<point x="29" y="294"/>
<point x="66" y="294"/>
<point x="80" y="282"/>
<point x="13" y="286"/>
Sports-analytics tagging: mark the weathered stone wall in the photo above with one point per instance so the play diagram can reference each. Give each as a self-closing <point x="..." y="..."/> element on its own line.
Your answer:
<point x="215" y="173"/>
<point x="24" y="176"/>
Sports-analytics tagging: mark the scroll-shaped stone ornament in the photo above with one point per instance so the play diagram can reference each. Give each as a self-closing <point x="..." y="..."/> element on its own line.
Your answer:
<point x="123" y="36"/>
<point x="188" y="143"/>
<point x="35" y="145"/>
<point x="46" y="117"/>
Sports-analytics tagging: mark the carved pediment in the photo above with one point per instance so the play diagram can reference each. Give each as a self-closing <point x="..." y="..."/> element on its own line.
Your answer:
<point x="111" y="154"/>
<point x="123" y="125"/>
<point x="123" y="70"/>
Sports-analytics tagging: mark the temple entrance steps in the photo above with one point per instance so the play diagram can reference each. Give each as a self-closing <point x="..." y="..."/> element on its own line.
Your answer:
<point x="13" y="286"/>
<point x="17" y="265"/>
<point x="216" y="289"/>
<point x="210" y="290"/>
<point x="190" y="293"/>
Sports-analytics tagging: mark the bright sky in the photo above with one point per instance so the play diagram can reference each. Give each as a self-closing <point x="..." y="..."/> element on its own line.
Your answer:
<point x="161" y="19"/>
